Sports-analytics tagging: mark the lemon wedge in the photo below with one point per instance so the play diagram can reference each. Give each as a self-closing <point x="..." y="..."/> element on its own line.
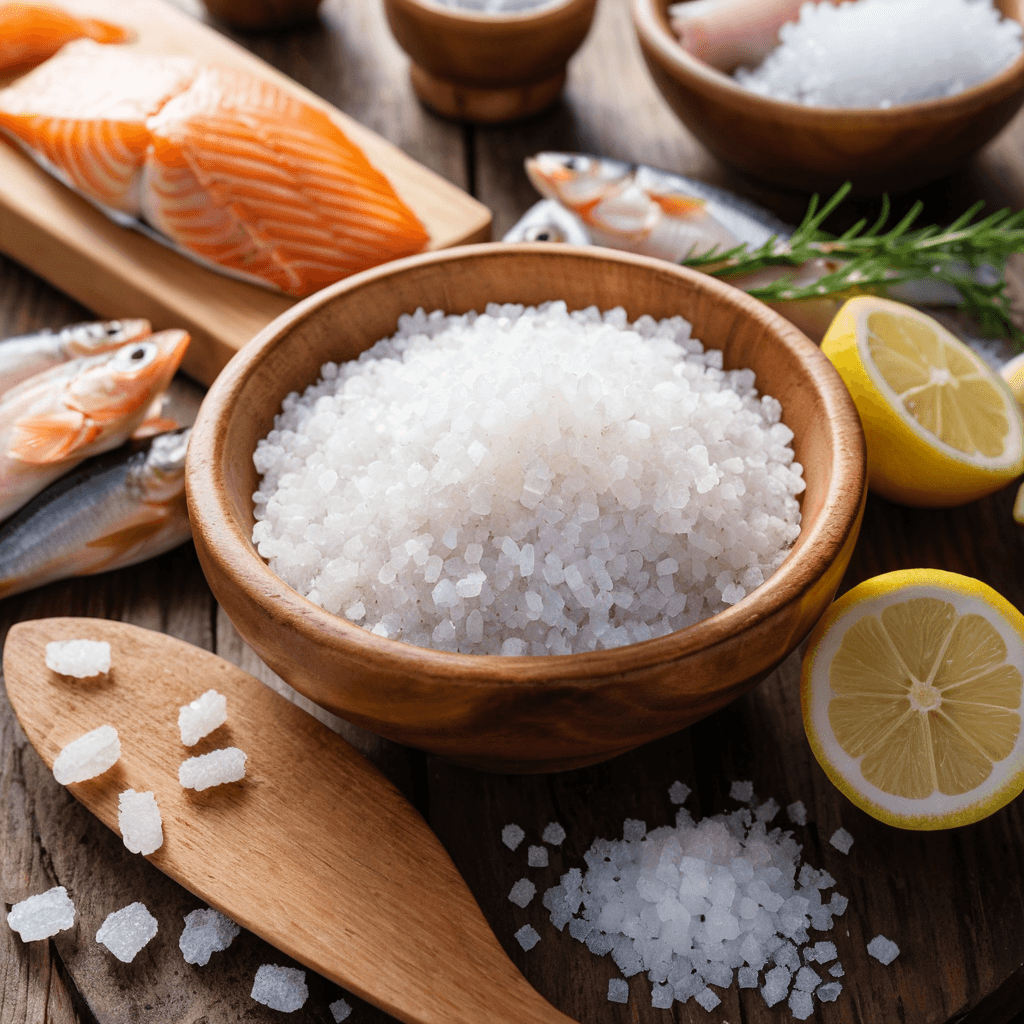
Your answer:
<point x="942" y="427"/>
<point x="911" y="698"/>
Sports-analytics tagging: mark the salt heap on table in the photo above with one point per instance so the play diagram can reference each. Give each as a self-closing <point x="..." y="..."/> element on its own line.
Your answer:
<point x="43" y="915"/>
<point x="202" y="716"/>
<point x="280" y="988"/>
<point x="82" y="659"/>
<point x="213" y="769"/>
<point x="138" y="818"/>
<point x="206" y="931"/>
<point x="90" y="755"/>
<point x="126" y="931"/>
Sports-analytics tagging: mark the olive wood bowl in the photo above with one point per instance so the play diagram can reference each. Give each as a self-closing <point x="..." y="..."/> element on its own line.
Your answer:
<point x="812" y="148"/>
<point x="523" y="714"/>
<point x="488" y="68"/>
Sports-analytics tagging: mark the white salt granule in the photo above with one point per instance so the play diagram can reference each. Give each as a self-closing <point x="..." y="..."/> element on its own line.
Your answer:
<point x="838" y="904"/>
<point x="280" y="988"/>
<point x="830" y="992"/>
<point x="836" y="970"/>
<point x="527" y="936"/>
<point x="678" y="792"/>
<point x="553" y="833"/>
<point x="708" y="999"/>
<point x="618" y="990"/>
<point x="82" y="659"/>
<point x="820" y="953"/>
<point x="879" y="53"/>
<point x="537" y="857"/>
<point x="841" y="840"/>
<point x="206" y="931"/>
<point x="662" y="996"/>
<point x="522" y="892"/>
<point x="742" y="792"/>
<point x="213" y="769"/>
<point x="797" y="812"/>
<point x="138" y="818"/>
<point x="126" y="931"/>
<point x="512" y="836"/>
<point x="801" y="1004"/>
<point x="43" y="915"/>
<point x="340" y="1010"/>
<point x="202" y="716"/>
<point x="521" y="481"/>
<point x="88" y="756"/>
<point x="883" y="950"/>
<point x="806" y="980"/>
<point x="776" y="985"/>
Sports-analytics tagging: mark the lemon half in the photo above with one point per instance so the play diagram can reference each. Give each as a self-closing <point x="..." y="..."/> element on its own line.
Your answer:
<point x="911" y="698"/>
<point x="942" y="427"/>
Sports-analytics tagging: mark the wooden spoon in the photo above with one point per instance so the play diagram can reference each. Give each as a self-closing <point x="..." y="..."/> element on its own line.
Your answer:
<point x="314" y="850"/>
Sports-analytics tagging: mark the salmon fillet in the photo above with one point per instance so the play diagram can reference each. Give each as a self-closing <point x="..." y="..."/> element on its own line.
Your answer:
<point x="30" y="33"/>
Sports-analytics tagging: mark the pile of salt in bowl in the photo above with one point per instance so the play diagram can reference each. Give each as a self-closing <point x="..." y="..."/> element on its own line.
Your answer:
<point x="528" y="481"/>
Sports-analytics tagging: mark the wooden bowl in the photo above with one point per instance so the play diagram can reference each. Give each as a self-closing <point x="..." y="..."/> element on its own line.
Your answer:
<point x="488" y="68"/>
<point x="262" y="15"/>
<point x="523" y="714"/>
<point x="816" y="148"/>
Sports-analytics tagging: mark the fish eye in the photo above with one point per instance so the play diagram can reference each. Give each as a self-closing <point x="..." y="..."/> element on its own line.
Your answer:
<point x="543" y="233"/>
<point x="114" y="327"/>
<point x="569" y="163"/>
<point x="134" y="357"/>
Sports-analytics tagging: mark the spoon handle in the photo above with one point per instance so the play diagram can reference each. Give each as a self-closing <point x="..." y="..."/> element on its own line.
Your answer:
<point x="314" y="850"/>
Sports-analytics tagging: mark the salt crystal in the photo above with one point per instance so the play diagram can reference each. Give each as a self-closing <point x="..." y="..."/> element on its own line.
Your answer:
<point x="527" y="936"/>
<point x="202" y="716"/>
<point x="830" y="992"/>
<point x="797" y="812"/>
<point x="820" y="953"/>
<point x="522" y="892"/>
<point x="618" y="990"/>
<point x="213" y="769"/>
<point x="747" y="977"/>
<point x="806" y="980"/>
<point x="742" y="792"/>
<point x="43" y="915"/>
<point x="801" y="1004"/>
<point x="88" y="756"/>
<point x="836" y="970"/>
<point x="206" y="931"/>
<point x="340" y="1009"/>
<point x="553" y="833"/>
<point x="678" y="792"/>
<point x="766" y="811"/>
<point x="79" y="658"/>
<point x="537" y="857"/>
<point x="883" y="950"/>
<point x="633" y="830"/>
<point x="512" y="836"/>
<point x="838" y="904"/>
<point x="280" y="988"/>
<point x="841" y="840"/>
<point x="662" y="997"/>
<point x="138" y="818"/>
<point x="776" y="986"/>
<point x="126" y="931"/>
<point x="707" y="999"/>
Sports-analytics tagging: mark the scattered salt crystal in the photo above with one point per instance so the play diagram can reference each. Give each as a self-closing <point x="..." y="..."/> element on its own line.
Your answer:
<point x="838" y="904"/>
<point x="213" y="769"/>
<point x="707" y="999"/>
<point x="79" y="658"/>
<point x="801" y="1004"/>
<point x="537" y="857"/>
<point x="43" y="915"/>
<point x="841" y="840"/>
<point x="678" y="792"/>
<point x="883" y="950"/>
<point x="742" y="792"/>
<point x="202" y="716"/>
<point x="836" y="970"/>
<point x="820" y="953"/>
<point x="527" y="936"/>
<point x="806" y="980"/>
<point x="618" y="990"/>
<point x="830" y="992"/>
<point x="126" y="931"/>
<point x="512" y="836"/>
<point x="797" y="812"/>
<point x="88" y="756"/>
<point x="138" y="818"/>
<point x="776" y="985"/>
<point x="340" y="1010"/>
<point x="766" y="811"/>
<point x="747" y="977"/>
<point x="280" y="988"/>
<point x="553" y="833"/>
<point x="206" y="931"/>
<point x="633" y="830"/>
<point x="522" y="892"/>
<point x="662" y="996"/>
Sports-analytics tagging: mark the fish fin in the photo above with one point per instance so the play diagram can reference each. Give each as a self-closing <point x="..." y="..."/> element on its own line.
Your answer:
<point x="120" y="541"/>
<point x="54" y="437"/>
<point x="153" y="426"/>
<point x="679" y="205"/>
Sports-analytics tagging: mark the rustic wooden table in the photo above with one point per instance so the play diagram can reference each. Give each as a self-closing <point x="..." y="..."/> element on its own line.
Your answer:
<point x="953" y="901"/>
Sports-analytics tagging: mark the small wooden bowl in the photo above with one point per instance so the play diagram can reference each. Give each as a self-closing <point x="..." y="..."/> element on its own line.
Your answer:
<point x="523" y="714"/>
<point x="262" y="15"/>
<point x="817" y="148"/>
<point x="488" y="69"/>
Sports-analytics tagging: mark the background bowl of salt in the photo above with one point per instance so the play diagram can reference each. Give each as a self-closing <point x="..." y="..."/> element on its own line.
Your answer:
<point x="488" y="68"/>
<point x="527" y="713"/>
<point x="818" y="148"/>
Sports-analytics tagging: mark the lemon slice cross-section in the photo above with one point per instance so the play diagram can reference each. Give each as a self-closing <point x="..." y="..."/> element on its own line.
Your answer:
<point x="911" y="693"/>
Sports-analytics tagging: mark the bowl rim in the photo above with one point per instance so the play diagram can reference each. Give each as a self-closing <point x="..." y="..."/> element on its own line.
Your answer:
<point x="650" y="22"/>
<point x="814" y="551"/>
<point x="547" y="17"/>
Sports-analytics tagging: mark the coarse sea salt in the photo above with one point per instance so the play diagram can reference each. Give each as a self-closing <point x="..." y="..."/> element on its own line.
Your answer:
<point x="883" y="950"/>
<point x="618" y="990"/>
<point x="527" y="936"/>
<point x="522" y="892"/>
<point x="199" y="718"/>
<point x="206" y="931"/>
<point x="42" y="915"/>
<point x="841" y="840"/>
<point x="340" y="1009"/>
<point x="884" y="53"/>
<point x="528" y="481"/>
<point x="280" y="988"/>
<point x="213" y="769"/>
<point x="553" y="833"/>
<point x="82" y="659"/>
<point x="126" y="931"/>
<point x="90" y="755"/>
<point x="537" y="856"/>
<point x="138" y="818"/>
<point x="512" y="836"/>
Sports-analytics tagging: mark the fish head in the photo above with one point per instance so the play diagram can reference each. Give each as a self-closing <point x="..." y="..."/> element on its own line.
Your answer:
<point x="548" y="221"/>
<point x="576" y="180"/>
<point x="89" y="339"/>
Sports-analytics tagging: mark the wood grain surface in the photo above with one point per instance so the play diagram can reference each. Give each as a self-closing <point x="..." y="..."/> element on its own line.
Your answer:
<point x="952" y="901"/>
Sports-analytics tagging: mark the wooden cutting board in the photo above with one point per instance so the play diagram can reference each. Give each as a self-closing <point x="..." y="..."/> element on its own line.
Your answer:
<point x="118" y="272"/>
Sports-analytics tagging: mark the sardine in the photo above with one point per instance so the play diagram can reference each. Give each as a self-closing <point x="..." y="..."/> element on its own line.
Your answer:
<point x="56" y="419"/>
<point x="113" y="510"/>
<point x="28" y="354"/>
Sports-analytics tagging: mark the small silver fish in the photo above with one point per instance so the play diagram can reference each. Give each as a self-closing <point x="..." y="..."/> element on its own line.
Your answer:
<point x="28" y="354"/>
<point x="113" y="510"/>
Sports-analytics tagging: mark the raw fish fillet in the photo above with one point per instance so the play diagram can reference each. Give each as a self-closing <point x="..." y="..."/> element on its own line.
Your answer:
<point x="29" y="33"/>
<point x="227" y="167"/>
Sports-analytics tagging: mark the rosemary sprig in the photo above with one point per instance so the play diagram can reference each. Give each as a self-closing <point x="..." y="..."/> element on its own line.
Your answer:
<point x="874" y="259"/>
